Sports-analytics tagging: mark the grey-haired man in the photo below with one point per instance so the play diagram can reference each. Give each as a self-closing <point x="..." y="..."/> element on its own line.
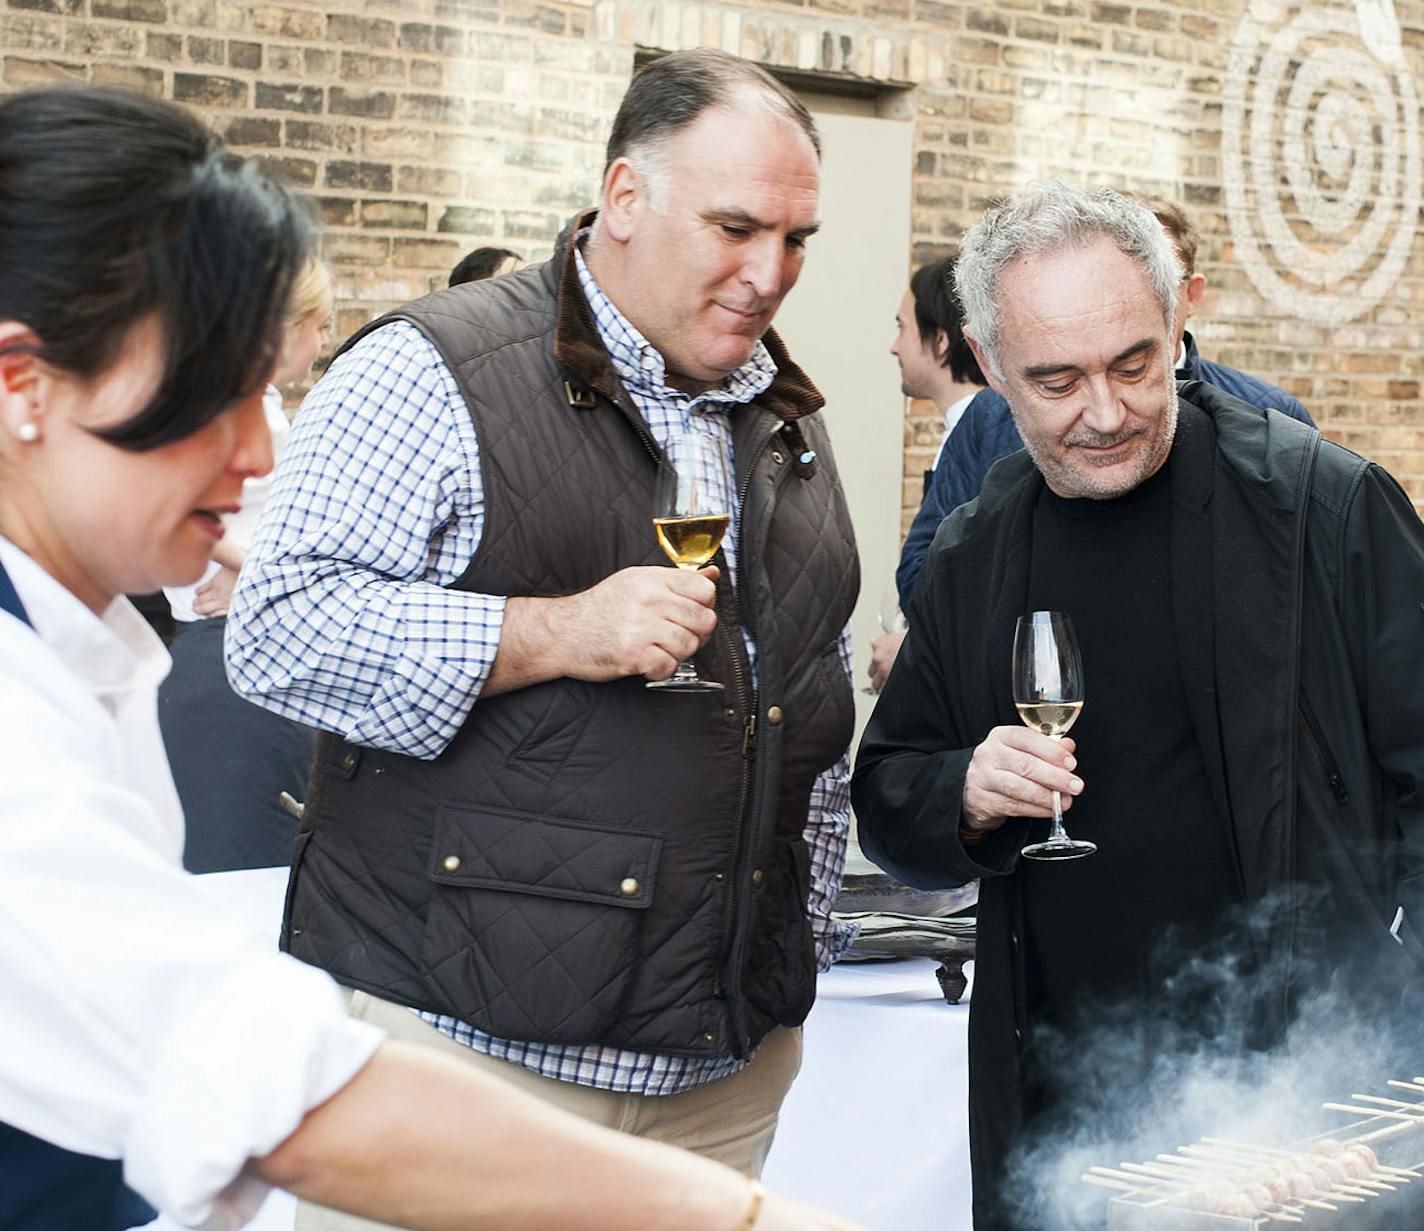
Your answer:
<point x="1246" y="596"/>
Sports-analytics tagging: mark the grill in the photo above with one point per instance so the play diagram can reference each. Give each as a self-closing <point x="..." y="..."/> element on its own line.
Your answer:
<point x="1362" y="1175"/>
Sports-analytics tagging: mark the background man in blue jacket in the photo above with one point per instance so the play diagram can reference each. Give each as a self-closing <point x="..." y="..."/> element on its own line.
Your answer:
<point x="937" y="365"/>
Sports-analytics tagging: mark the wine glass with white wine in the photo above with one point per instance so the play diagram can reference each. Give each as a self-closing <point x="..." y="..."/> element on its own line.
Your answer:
<point x="690" y="515"/>
<point x="1048" y="694"/>
<point x="892" y="620"/>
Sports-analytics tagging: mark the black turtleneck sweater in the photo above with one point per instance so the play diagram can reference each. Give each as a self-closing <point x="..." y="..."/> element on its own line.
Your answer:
<point x="1103" y="928"/>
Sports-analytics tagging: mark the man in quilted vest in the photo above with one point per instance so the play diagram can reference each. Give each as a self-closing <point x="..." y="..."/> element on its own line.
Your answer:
<point x="513" y="850"/>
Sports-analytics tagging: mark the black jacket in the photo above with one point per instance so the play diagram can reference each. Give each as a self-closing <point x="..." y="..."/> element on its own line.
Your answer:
<point x="1299" y="571"/>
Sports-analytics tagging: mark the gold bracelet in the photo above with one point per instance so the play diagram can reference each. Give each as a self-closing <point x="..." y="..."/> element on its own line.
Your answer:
<point x="754" y="1207"/>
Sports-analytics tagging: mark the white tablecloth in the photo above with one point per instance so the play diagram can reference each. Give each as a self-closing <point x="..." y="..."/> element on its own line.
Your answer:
<point x="875" y="1126"/>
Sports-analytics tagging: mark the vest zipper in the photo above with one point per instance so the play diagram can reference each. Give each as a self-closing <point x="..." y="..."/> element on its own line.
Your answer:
<point x="746" y="697"/>
<point x="728" y="982"/>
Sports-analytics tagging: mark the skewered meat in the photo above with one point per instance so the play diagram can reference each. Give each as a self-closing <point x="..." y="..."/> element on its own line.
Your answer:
<point x="1358" y="1159"/>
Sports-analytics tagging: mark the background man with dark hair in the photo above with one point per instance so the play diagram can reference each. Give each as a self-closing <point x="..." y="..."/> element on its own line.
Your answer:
<point x="935" y="364"/>
<point x="1246" y="598"/>
<point x="485" y="263"/>
<point x="987" y="432"/>
<point x="615" y="897"/>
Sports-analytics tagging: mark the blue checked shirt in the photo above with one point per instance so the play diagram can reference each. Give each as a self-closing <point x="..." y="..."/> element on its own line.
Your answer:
<point x="342" y="618"/>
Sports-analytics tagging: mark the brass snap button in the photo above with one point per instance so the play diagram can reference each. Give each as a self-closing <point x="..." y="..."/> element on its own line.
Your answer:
<point x="774" y="715"/>
<point x="629" y="887"/>
<point x="758" y="878"/>
<point x="451" y="863"/>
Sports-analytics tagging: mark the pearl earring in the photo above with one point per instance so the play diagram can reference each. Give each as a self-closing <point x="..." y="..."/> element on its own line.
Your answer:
<point x="28" y="432"/>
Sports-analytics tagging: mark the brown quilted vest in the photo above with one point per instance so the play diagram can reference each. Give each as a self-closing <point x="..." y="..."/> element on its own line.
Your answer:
<point x="599" y="863"/>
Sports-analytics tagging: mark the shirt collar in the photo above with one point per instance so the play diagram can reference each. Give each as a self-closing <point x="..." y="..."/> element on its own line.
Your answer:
<point x="641" y="367"/>
<point x="112" y="653"/>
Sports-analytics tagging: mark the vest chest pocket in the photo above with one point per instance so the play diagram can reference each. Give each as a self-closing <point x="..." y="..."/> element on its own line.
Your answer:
<point x="534" y="923"/>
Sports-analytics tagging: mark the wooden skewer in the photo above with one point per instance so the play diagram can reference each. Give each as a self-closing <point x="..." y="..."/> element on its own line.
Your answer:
<point x="1336" y="1192"/>
<point x="1211" y="1165"/>
<point x="1376" y="1111"/>
<point x="1153" y="1169"/>
<point x="1277" y="1212"/>
<point x="1402" y="1172"/>
<point x="1247" y="1145"/>
<point x="1103" y="1181"/>
<point x="1389" y="1102"/>
<point x="1379" y="1134"/>
<point x="1381" y="1101"/>
<point x="1145" y="1186"/>
<point x="1204" y="1163"/>
<point x="1225" y="1158"/>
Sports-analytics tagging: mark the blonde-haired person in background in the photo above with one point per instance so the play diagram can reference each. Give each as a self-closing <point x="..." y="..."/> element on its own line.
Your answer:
<point x="231" y="761"/>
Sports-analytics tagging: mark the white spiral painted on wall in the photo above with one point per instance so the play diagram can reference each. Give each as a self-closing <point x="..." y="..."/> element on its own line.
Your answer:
<point x="1320" y="155"/>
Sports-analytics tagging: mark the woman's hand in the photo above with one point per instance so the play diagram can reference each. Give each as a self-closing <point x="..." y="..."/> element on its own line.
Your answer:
<point x="214" y="597"/>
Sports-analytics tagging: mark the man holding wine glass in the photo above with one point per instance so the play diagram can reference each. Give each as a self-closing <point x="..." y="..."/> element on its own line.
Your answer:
<point x="616" y="895"/>
<point x="1245" y="716"/>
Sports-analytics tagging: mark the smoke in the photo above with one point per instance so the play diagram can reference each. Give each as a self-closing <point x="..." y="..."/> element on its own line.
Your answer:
<point x="1226" y="1043"/>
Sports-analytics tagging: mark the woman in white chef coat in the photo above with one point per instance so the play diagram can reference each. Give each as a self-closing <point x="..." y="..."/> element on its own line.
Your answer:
<point x="143" y="1036"/>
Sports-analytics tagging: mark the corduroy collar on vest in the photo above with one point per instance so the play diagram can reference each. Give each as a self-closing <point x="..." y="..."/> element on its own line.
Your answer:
<point x="578" y="347"/>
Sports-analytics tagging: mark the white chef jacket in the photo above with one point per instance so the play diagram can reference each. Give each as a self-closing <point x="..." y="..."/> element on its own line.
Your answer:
<point x="137" y="1018"/>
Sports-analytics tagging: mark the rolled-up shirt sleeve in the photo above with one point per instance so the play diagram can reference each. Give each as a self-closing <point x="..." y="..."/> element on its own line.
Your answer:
<point x="141" y="1020"/>
<point x="342" y="618"/>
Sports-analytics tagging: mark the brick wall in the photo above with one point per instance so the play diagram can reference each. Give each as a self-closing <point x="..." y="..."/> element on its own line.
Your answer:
<point x="425" y="127"/>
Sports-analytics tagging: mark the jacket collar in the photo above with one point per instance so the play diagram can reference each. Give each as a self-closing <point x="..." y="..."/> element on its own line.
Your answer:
<point x="1190" y="367"/>
<point x="1194" y="609"/>
<point x="580" y="350"/>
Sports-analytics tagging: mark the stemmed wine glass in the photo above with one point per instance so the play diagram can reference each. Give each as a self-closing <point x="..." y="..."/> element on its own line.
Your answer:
<point x="690" y="515"/>
<point x="1048" y="694"/>
<point x="892" y="620"/>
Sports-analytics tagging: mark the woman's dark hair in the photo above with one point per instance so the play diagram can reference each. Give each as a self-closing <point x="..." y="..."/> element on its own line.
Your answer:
<point x="114" y="207"/>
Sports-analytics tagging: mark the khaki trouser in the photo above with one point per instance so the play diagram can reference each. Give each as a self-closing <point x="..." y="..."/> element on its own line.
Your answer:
<point x="732" y="1120"/>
